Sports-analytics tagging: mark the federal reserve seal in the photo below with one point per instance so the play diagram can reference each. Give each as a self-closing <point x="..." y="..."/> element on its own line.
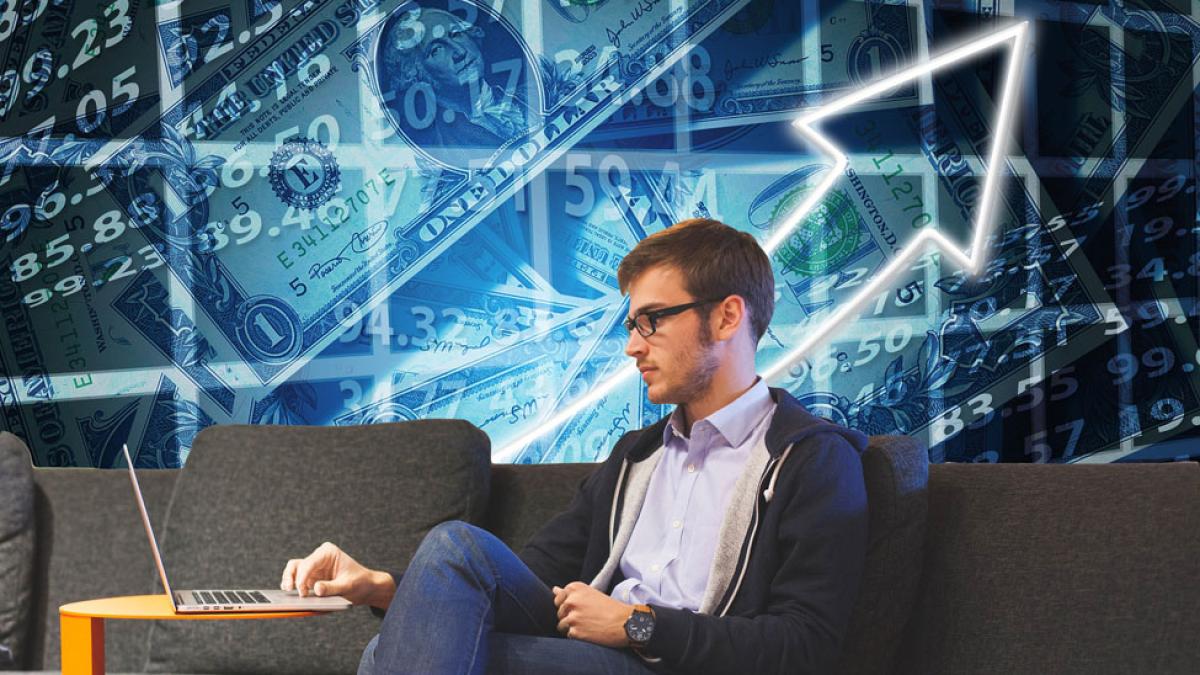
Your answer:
<point x="826" y="238"/>
<point x="304" y="173"/>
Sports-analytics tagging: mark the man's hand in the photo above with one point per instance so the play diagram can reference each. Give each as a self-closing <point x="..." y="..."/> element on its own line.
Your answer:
<point x="328" y="570"/>
<point x="585" y="613"/>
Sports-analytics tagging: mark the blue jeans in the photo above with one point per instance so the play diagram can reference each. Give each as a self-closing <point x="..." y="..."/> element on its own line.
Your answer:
<point x="467" y="604"/>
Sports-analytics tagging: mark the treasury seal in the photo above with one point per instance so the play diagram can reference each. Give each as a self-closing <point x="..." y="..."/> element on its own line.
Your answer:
<point x="825" y="239"/>
<point x="304" y="173"/>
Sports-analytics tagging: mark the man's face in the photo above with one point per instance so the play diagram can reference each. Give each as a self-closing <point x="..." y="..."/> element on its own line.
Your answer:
<point x="449" y="54"/>
<point x="677" y="362"/>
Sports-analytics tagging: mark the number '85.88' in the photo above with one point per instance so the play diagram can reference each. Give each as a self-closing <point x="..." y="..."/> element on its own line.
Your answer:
<point x="106" y="228"/>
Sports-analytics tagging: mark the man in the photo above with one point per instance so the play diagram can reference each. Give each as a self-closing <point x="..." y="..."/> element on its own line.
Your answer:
<point x="729" y="537"/>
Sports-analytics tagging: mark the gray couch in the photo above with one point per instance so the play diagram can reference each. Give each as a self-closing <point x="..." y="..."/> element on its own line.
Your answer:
<point x="971" y="568"/>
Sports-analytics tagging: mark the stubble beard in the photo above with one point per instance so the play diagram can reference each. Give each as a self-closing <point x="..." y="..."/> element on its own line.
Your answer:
<point x="704" y="365"/>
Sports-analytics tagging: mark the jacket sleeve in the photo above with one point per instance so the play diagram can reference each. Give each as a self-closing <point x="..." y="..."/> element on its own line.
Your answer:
<point x="556" y="552"/>
<point x="822" y="544"/>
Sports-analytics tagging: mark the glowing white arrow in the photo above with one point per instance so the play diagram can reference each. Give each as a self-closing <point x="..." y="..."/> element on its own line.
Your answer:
<point x="971" y="261"/>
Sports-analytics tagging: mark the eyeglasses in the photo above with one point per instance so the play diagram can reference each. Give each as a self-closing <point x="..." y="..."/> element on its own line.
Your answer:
<point x="646" y="322"/>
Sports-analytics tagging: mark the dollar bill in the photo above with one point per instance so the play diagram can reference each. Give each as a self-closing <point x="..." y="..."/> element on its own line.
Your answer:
<point x="495" y="253"/>
<point x="590" y="435"/>
<point x="1110" y="115"/>
<point x="158" y="426"/>
<point x="602" y="219"/>
<point x="770" y="60"/>
<point x="592" y="208"/>
<point x="505" y="394"/>
<point x="100" y="326"/>
<point x="439" y="321"/>
<point x="57" y="60"/>
<point x="270" y="263"/>
<point x="97" y="367"/>
<point x="429" y="326"/>
<point x="435" y="171"/>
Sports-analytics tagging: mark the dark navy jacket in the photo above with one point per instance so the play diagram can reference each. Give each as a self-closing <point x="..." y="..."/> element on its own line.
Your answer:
<point x="799" y="567"/>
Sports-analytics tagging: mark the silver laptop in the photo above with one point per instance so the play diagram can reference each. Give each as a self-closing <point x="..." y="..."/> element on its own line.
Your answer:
<point x="270" y="600"/>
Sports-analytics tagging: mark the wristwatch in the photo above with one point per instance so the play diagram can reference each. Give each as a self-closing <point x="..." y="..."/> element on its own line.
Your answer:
<point x="640" y="626"/>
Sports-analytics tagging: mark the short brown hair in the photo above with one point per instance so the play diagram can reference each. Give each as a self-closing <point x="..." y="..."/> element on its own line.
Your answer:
<point x="716" y="261"/>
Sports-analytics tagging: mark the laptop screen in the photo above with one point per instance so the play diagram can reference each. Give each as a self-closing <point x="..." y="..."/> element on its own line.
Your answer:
<point x="137" y="491"/>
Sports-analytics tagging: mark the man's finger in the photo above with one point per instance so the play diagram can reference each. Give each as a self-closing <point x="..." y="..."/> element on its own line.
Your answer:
<point x="304" y="572"/>
<point x="331" y="587"/>
<point x="563" y="627"/>
<point x="567" y="602"/>
<point x="289" y="575"/>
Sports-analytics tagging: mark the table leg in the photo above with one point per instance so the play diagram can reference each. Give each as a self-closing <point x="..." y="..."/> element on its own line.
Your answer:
<point x="82" y="645"/>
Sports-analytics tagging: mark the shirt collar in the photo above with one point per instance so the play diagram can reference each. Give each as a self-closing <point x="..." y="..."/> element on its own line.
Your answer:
<point x="735" y="421"/>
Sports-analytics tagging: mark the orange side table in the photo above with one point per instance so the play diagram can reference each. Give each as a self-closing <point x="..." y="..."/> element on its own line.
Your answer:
<point x="82" y="625"/>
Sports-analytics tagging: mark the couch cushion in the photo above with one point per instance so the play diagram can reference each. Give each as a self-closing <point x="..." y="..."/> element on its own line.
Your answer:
<point x="1059" y="569"/>
<point x="251" y="497"/>
<point x="526" y="496"/>
<point x="896" y="473"/>
<point x="16" y="549"/>
<point x="91" y="544"/>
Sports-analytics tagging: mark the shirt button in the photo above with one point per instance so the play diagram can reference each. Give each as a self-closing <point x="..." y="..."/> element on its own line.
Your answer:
<point x="676" y="524"/>
<point x="655" y="568"/>
<point x="691" y="468"/>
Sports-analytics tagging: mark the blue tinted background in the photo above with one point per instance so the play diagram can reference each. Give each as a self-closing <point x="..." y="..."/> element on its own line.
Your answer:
<point x="346" y="213"/>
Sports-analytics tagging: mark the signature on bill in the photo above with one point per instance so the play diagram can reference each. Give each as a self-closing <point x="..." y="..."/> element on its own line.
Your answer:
<point x="359" y="242"/>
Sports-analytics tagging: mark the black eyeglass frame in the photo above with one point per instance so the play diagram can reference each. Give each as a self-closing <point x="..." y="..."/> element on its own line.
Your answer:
<point x="655" y="314"/>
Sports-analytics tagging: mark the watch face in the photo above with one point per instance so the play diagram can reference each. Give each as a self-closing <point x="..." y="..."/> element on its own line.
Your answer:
<point x="639" y="627"/>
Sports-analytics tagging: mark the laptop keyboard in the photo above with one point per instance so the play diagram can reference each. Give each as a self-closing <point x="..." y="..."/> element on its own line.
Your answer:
<point x="231" y="597"/>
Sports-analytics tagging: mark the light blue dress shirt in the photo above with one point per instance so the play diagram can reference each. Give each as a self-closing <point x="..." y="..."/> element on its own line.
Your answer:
<point x="674" y="540"/>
